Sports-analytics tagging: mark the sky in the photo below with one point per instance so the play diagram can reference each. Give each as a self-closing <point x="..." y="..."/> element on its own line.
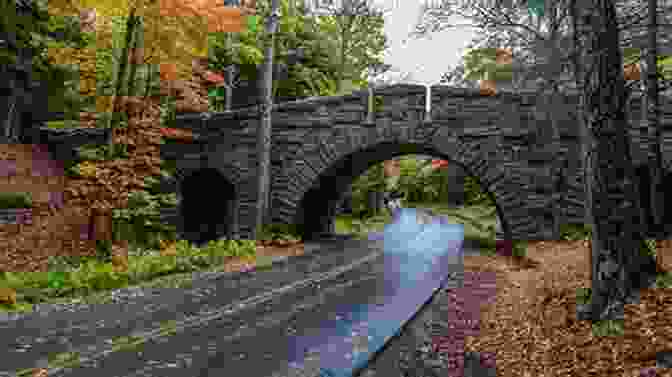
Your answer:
<point x="427" y="59"/>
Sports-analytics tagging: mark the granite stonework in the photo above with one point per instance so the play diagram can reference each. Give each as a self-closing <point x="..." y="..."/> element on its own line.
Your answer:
<point x="320" y="145"/>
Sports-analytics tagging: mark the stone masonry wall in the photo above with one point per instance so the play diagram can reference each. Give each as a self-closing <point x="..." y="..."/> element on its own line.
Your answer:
<point x="504" y="140"/>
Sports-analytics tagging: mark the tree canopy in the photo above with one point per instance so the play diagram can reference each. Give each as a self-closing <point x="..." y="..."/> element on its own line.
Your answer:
<point x="172" y="33"/>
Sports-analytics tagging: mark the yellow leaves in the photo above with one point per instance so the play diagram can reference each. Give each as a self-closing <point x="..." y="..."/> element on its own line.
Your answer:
<point x="83" y="60"/>
<point x="168" y="248"/>
<point x="120" y="262"/>
<point x="7" y="296"/>
<point x="103" y="103"/>
<point x="87" y="169"/>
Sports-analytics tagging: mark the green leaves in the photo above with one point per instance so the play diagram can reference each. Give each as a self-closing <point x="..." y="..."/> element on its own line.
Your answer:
<point x="319" y="72"/>
<point x="474" y="194"/>
<point x="56" y="279"/>
<point x="252" y="22"/>
<point x="140" y="222"/>
<point x="15" y="200"/>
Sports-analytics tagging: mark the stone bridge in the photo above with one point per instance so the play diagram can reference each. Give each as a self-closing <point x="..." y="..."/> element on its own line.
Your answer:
<point x="320" y="145"/>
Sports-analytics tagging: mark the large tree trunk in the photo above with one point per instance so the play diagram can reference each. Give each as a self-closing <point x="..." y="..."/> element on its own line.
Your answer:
<point x="650" y="81"/>
<point x="618" y="230"/>
<point x="586" y="137"/>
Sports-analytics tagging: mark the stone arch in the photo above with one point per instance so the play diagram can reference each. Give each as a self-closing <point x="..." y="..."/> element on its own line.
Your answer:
<point x="319" y="168"/>
<point x="208" y="202"/>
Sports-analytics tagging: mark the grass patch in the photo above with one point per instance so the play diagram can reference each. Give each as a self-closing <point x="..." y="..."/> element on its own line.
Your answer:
<point x="604" y="328"/>
<point x="169" y="326"/>
<point x="13" y="200"/>
<point x="360" y="227"/>
<point x="126" y="342"/>
<point x="60" y="124"/>
<point x="63" y="358"/>
<point x="664" y="280"/>
<point x="478" y="221"/>
<point x="263" y="262"/>
<point x="93" y="278"/>
<point x="608" y="328"/>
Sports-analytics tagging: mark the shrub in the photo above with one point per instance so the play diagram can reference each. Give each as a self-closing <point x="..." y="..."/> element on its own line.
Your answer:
<point x="15" y="200"/>
<point x="104" y="250"/>
<point x="574" y="232"/>
<point x="372" y="180"/>
<point x="519" y="248"/>
<point x="280" y="231"/>
<point x="474" y="195"/>
<point x="416" y="186"/>
<point x="140" y="222"/>
<point x="102" y="152"/>
<point x="583" y="295"/>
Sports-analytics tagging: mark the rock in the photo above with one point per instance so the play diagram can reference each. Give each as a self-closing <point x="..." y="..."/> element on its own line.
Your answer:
<point x="474" y="368"/>
<point x="664" y="359"/>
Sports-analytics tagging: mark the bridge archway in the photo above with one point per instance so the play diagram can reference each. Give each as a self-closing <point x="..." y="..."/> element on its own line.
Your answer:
<point x="207" y="205"/>
<point x="320" y="175"/>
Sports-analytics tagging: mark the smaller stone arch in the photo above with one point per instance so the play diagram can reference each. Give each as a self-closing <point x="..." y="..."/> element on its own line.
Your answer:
<point x="208" y="203"/>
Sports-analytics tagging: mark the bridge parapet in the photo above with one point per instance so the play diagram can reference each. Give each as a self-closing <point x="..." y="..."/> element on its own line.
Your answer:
<point x="402" y="102"/>
<point x="320" y="112"/>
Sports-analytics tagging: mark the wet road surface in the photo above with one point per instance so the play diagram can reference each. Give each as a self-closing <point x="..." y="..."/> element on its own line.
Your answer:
<point x="254" y="341"/>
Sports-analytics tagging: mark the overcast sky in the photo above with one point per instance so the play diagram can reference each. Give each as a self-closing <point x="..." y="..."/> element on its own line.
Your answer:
<point x="427" y="58"/>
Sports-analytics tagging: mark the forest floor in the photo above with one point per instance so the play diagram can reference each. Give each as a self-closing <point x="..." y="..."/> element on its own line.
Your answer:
<point x="530" y="327"/>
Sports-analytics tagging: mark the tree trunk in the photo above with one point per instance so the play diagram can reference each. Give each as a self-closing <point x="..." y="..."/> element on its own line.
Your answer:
<point x="136" y="49"/>
<point x="341" y="71"/>
<point x="148" y="82"/>
<point x="617" y="235"/>
<point x="650" y="81"/>
<point x="586" y="140"/>
<point x="123" y="64"/>
<point x="265" y="125"/>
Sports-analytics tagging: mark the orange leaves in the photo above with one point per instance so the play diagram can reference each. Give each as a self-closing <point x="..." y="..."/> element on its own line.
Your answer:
<point x="217" y="17"/>
<point x="503" y="56"/>
<point x="40" y="372"/>
<point x="227" y="20"/>
<point x="488" y="88"/>
<point x="168" y="71"/>
<point x="174" y="133"/>
<point x="631" y="72"/>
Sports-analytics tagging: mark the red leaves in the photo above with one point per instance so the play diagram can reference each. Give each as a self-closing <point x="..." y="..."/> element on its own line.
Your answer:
<point x="436" y="164"/>
<point x="214" y="78"/>
<point x="174" y="133"/>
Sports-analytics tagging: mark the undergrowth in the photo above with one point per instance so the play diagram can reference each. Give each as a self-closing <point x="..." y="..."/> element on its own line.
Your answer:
<point x="80" y="276"/>
<point x="11" y="200"/>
